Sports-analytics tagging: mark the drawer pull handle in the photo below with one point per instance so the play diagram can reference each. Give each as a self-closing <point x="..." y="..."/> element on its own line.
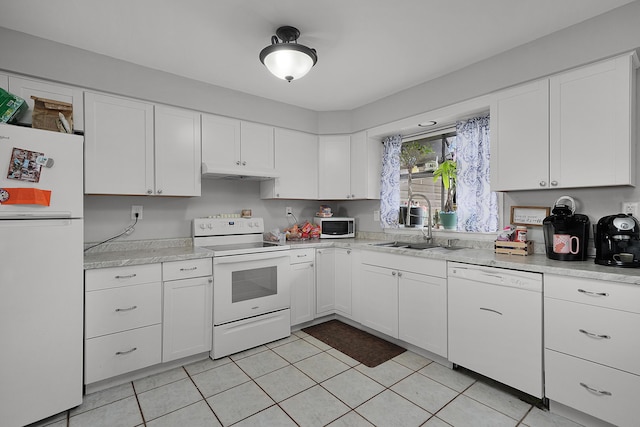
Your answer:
<point x="491" y="310"/>
<point x="608" y="337"/>
<point x="597" y="294"/>
<point x="301" y="256"/>
<point x="133" y="307"/>
<point x="121" y="353"/>
<point x="130" y="276"/>
<point x="255" y="308"/>
<point x="593" y="390"/>
<point x="189" y="269"/>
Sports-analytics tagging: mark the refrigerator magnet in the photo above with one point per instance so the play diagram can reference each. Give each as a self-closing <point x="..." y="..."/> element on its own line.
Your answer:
<point x="4" y="195"/>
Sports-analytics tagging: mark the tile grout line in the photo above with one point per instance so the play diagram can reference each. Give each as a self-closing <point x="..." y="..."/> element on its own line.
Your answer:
<point x="201" y="394"/>
<point x="135" y="393"/>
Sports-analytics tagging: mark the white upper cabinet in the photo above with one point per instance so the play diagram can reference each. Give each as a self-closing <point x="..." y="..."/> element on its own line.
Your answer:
<point x="349" y="167"/>
<point x="120" y="141"/>
<point x="592" y="124"/>
<point x="554" y="133"/>
<point x="25" y="88"/>
<point x="296" y="167"/>
<point x="520" y="137"/>
<point x="232" y="147"/>
<point x="4" y="82"/>
<point x="177" y="152"/>
<point x="334" y="167"/>
<point x="366" y="166"/>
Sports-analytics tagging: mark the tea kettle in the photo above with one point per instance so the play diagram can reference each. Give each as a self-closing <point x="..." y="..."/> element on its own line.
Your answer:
<point x="566" y="233"/>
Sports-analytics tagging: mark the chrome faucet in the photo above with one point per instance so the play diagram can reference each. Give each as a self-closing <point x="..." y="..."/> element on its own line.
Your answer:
<point x="428" y="236"/>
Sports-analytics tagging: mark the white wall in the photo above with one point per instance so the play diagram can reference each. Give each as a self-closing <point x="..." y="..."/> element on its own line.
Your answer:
<point x="170" y="217"/>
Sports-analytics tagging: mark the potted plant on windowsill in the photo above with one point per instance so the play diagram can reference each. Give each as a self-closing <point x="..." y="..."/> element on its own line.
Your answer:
<point x="412" y="154"/>
<point x="448" y="171"/>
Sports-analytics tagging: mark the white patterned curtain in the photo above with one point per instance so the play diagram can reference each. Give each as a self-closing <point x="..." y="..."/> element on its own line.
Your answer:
<point x="477" y="204"/>
<point x="390" y="182"/>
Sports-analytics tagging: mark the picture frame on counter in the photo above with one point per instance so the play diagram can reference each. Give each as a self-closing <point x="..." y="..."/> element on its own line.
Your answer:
<point x="529" y="215"/>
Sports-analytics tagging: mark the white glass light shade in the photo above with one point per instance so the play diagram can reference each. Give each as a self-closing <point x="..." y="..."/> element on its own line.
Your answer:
<point x="288" y="61"/>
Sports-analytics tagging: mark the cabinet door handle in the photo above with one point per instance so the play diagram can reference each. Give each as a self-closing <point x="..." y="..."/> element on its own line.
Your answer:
<point x="543" y="183"/>
<point x="189" y="269"/>
<point x="393" y="273"/>
<point x="348" y="251"/>
<point x="238" y="162"/>
<point x="210" y="280"/>
<point x="159" y="191"/>
<point x="133" y="307"/>
<point x="596" y="391"/>
<point x="399" y="273"/>
<point x="491" y="310"/>
<point x="121" y="353"/>
<point x="597" y="294"/>
<point x="244" y="163"/>
<point x="607" y="337"/>
<point x="130" y="276"/>
<point x="554" y="183"/>
<point x="149" y="191"/>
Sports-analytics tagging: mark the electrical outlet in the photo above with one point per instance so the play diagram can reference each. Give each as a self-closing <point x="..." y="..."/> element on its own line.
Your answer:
<point x="630" y="208"/>
<point x="376" y="215"/>
<point x="288" y="211"/>
<point x="136" y="210"/>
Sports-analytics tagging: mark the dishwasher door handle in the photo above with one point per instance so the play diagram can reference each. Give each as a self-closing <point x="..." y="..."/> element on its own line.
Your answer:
<point x="491" y="310"/>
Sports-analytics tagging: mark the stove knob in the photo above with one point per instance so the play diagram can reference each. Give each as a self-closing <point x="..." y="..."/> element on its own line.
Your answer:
<point x="202" y="226"/>
<point x="209" y="226"/>
<point x="250" y="224"/>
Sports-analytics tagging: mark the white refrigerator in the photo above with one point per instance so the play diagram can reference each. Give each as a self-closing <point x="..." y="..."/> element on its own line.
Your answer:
<point x="41" y="273"/>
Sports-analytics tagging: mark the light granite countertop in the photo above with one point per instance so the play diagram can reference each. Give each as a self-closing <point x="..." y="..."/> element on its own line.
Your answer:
<point x="154" y="251"/>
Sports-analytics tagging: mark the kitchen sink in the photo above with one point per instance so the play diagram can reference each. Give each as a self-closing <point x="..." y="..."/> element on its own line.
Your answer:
<point x="415" y="245"/>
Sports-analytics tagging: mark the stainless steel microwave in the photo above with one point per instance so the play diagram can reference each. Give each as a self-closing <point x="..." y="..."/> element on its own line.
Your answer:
<point x="336" y="227"/>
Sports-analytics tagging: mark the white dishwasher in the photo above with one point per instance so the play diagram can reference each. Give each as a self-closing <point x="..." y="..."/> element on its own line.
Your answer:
<point x="495" y="324"/>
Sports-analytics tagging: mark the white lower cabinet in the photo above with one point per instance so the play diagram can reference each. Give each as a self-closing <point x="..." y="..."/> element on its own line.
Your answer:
<point x="379" y="297"/>
<point x="126" y="351"/>
<point x="303" y="285"/>
<point x="406" y="298"/>
<point x="333" y="281"/>
<point x="134" y="320"/>
<point x="187" y="308"/>
<point x="325" y="281"/>
<point x="422" y="311"/>
<point x="123" y="329"/>
<point x="592" y="352"/>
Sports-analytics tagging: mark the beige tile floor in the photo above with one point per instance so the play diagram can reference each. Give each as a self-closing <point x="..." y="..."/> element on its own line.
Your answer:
<point x="302" y="381"/>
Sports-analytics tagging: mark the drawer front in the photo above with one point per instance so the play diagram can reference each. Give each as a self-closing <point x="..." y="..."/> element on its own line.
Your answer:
<point x="598" y="334"/>
<point x="620" y="296"/>
<point x="430" y="267"/>
<point x="613" y="396"/>
<point x="119" y="309"/>
<point x="298" y="256"/>
<point x="116" y="354"/>
<point x="114" y="277"/>
<point x="175" y="270"/>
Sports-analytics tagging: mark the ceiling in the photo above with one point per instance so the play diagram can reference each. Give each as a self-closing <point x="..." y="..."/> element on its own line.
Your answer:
<point x="367" y="49"/>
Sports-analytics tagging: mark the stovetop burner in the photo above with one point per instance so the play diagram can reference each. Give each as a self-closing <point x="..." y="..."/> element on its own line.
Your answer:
<point x="232" y="236"/>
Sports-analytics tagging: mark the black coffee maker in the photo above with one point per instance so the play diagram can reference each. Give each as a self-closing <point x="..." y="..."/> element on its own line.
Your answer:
<point x="618" y="241"/>
<point x="566" y="233"/>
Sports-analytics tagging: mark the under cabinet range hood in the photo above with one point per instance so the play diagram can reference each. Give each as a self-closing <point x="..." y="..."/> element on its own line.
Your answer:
<point x="215" y="172"/>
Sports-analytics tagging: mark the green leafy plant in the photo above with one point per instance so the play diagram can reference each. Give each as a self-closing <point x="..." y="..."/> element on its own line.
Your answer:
<point x="448" y="171"/>
<point x="413" y="153"/>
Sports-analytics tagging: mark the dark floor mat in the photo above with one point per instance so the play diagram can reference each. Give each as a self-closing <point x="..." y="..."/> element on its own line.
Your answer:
<point x="361" y="346"/>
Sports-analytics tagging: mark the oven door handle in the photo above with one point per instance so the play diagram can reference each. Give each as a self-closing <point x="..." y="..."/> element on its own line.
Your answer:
<point x="230" y="259"/>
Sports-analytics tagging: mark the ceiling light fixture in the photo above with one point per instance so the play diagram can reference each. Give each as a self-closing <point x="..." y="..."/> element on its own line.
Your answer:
<point x="427" y="124"/>
<point x="288" y="60"/>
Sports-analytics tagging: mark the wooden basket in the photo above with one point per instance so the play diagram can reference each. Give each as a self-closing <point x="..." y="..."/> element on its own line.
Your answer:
<point x="514" y="248"/>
